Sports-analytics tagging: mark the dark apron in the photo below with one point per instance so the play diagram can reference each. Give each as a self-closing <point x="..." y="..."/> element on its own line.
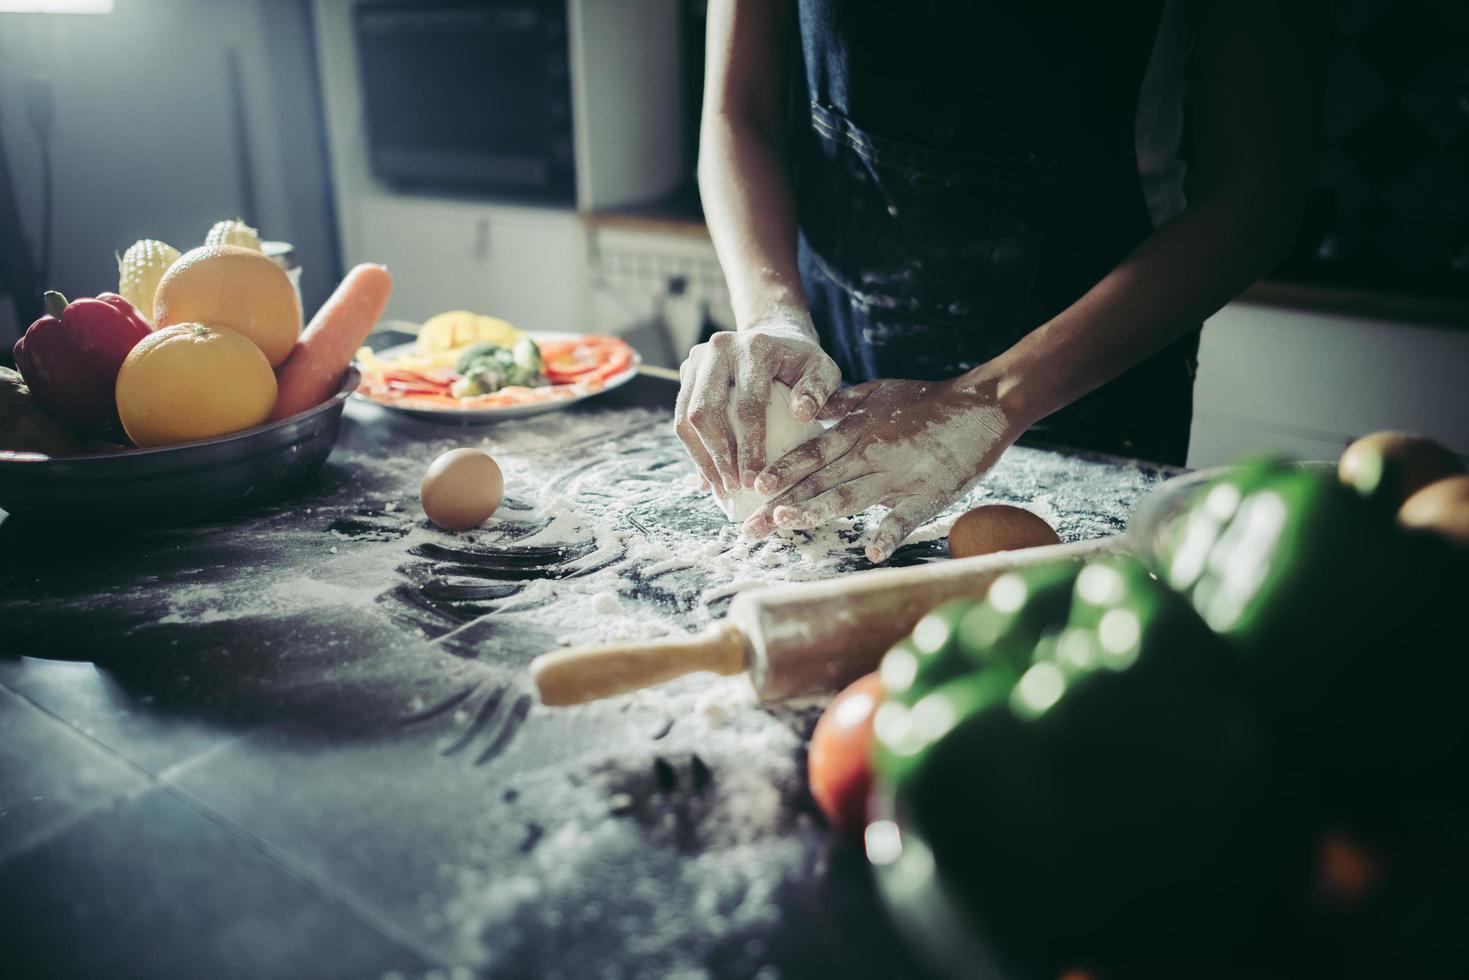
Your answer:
<point x="968" y="173"/>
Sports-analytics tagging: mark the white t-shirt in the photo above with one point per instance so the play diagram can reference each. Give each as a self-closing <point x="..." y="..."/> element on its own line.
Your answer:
<point x="1158" y="129"/>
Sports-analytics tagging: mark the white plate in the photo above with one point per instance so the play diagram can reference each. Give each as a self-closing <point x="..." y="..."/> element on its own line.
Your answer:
<point x="510" y="411"/>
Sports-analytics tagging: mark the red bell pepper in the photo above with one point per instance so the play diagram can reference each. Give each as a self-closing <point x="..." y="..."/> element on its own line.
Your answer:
<point x="71" y="356"/>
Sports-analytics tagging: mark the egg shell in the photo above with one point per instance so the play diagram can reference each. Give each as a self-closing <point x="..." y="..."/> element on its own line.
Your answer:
<point x="998" y="527"/>
<point x="461" y="489"/>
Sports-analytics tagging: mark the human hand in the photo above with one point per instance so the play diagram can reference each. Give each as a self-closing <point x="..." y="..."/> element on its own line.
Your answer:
<point x="739" y="366"/>
<point x="913" y="446"/>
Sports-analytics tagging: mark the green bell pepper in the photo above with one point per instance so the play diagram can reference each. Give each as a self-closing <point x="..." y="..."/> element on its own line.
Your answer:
<point x="964" y="635"/>
<point x="1115" y="776"/>
<point x="1339" y="621"/>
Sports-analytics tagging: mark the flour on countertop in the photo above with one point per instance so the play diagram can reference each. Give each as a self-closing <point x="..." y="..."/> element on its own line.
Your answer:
<point x="676" y="564"/>
<point x="689" y="799"/>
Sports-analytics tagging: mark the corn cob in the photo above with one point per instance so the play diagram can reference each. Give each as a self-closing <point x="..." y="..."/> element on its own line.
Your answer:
<point x="233" y="232"/>
<point x="139" y="270"/>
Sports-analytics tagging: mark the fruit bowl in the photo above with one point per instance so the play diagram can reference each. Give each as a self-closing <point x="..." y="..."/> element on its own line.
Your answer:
<point x="176" y="484"/>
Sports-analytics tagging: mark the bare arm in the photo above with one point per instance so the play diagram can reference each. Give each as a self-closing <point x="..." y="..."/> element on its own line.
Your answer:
<point x="1258" y="92"/>
<point x="751" y="212"/>
<point x="743" y="174"/>
<point x="1257" y="99"/>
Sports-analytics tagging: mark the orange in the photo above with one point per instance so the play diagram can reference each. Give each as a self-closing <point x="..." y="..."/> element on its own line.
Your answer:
<point x="234" y="287"/>
<point x="193" y="381"/>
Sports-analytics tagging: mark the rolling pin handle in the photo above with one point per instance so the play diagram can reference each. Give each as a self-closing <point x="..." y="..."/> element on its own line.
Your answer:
<point x="582" y="674"/>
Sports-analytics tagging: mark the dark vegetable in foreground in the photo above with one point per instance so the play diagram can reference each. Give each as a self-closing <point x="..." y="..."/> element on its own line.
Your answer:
<point x="1090" y="786"/>
<point x="1132" y="765"/>
<point x="1338" y="620"/>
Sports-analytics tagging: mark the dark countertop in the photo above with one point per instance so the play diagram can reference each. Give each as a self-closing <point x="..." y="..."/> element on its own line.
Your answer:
<point x="301" y="742"/>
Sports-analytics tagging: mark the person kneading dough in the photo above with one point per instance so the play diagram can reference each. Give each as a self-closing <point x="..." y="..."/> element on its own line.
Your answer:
<point x="862" y="242"/>
<point x="783" y="432"/>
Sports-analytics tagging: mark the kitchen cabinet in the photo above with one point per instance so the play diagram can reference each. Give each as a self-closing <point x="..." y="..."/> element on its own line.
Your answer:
<point x="526" y="265"/>
<point x="1305" y="383"/>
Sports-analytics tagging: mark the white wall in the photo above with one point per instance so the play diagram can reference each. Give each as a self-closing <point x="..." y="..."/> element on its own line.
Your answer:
<point x="1305" y="383"/>
<point x="144" y="143"/>
<point x="632" y="276"/>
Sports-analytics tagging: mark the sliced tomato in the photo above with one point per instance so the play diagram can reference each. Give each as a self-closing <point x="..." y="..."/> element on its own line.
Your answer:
<point x="616" y="364"/>
<point x="569" y="368"/>
<point x="401" y="388"/>
<point x="414" y="401"/>
<point x="507" y="397"/>
<point x="416" y="377"/>
<point x="585" y="359"/>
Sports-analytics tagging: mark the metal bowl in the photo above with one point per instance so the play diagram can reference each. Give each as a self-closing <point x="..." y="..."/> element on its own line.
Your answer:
<point x="174" y="484"/>
<point x="1154" y="514"/>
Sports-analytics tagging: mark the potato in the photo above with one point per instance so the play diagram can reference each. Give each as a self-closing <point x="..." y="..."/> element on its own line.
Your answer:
<point x="25" y="426"/>
<point x="1442" y="507"/>
<point x="1390" y="467"/>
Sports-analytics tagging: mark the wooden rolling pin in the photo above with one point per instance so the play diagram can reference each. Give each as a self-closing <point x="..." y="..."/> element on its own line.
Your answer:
<point x="810" y="638"/>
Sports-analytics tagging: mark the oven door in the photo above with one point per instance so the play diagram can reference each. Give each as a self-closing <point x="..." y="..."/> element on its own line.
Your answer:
<point x="468" y="97"/>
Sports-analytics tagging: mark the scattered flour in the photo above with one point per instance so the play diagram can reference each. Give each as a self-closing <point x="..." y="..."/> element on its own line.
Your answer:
<point x="713" y="853"/>
<point x="690" y="867"/>
<point x="660" y="855"/>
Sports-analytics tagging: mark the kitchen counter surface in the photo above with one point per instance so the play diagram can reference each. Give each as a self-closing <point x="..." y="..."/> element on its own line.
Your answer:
<point x="301" y="742"/>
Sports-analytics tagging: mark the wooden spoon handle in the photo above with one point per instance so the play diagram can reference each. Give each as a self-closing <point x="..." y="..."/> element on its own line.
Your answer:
<point x="583" y="674"/>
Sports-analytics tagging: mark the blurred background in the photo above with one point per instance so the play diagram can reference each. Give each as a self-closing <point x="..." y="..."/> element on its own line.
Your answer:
<point x="534" y="160"/>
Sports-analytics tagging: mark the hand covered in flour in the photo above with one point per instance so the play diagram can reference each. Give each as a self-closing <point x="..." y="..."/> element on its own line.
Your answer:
<point x="913" y="446"/>
<point x="734" y="370"/>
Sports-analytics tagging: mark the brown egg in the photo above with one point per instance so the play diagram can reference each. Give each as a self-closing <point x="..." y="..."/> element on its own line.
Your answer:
<point x="998" y="527"/>
<point x="461" y="489"/>
<point x="1392" y="466"/>
<point x="1441" y="507"/>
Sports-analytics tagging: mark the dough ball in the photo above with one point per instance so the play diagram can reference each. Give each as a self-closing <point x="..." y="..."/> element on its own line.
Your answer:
<point x="998" y="527"/>
<point x="461" y="489"/>
<point x="782" y="434"/>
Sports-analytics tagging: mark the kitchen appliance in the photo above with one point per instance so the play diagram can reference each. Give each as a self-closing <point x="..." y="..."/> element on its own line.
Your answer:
<point x="468" y="97"/>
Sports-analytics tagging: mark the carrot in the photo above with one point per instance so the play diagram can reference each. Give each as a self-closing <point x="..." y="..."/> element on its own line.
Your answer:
<point x="314" y="368"/>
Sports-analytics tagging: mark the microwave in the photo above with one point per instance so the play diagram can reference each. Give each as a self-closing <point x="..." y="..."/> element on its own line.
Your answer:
<point x="468" y="98"/>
